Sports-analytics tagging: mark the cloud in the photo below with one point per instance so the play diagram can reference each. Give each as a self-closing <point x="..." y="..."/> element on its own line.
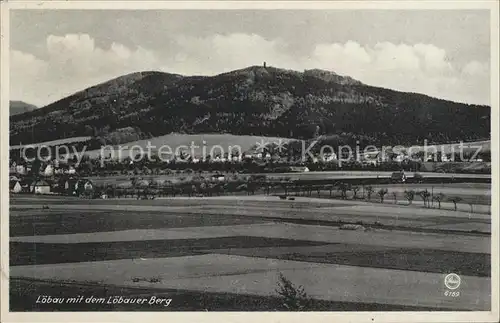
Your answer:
<point x="349" y="58"/>
<point x="74" y="62"/>
<point x="77" y="55"/>
<point x="476" y="68"/>
<point x="421" y="68"/>
<point x="224" y="53"/>
<point x="25" y="72"/>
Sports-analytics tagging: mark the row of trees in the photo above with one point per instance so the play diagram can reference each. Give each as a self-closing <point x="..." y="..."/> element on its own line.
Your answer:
<point x="251" y="185"/>
<point x="427" y="197"/>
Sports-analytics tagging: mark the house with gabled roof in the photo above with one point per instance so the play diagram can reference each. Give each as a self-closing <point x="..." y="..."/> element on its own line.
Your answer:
<point x="15" y="186"/>
<point x="298" y="169"/>
<point x="40" y="187"/>
<point x="48" y="171"/>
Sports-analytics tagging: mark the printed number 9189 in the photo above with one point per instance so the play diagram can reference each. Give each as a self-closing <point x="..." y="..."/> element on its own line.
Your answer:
<point x="451" y="294"/>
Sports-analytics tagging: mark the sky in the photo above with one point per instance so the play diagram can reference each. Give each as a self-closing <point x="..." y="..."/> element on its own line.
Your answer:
<point x="441" y="53"/>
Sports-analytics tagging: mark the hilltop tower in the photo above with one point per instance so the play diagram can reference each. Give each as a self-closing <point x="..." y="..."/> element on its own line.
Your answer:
<point x="264" y="64"/>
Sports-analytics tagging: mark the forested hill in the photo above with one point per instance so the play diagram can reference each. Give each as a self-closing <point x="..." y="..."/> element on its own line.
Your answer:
<point x="18" y="107"/>
<point x="252" y="101"/>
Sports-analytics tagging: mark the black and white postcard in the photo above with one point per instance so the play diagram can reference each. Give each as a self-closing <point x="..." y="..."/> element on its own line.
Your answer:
<point x="265" y="161"/>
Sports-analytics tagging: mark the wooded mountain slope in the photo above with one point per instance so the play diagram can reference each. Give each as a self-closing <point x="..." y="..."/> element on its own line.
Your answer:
<point x="264" y="101"/>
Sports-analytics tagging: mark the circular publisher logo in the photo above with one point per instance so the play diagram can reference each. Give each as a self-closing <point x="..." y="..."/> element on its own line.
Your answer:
<point x="452" y="281"/>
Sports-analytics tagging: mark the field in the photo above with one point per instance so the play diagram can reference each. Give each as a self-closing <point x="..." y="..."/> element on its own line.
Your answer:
<point x="484" y="146"/>
<point x="65" y="141"/>
<point x="225" y="253"/>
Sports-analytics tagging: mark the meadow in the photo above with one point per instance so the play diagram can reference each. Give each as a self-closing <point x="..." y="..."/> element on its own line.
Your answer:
<point x="233" y="247"/>
<point x="58" y="142"/>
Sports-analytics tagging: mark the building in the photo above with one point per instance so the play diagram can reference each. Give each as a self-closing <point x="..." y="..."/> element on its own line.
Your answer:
<point x="15" y="186"/>
<point x="13" y="168"/>
<point x="218" y="177"/>
<point x="398" y="177"/>
<point x="446" y="158"/>
<point x="299" y="169"/>
<point x="143" y="183"/>
<point x="21" y="169"/>
<point x="40" y="187"/>
<point x="48" y="171"/>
